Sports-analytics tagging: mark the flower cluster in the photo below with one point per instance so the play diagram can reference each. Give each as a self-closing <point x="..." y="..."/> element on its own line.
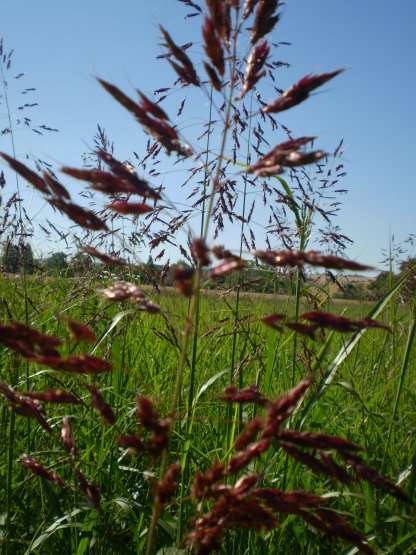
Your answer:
<point x="245" y="505"/>
<point x="150" y="420"/>
<point x="320" y="319"/>
<point x="126" y="291"/>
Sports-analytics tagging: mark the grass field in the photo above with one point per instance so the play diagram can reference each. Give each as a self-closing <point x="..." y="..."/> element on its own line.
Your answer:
<point x="359" y="405"/>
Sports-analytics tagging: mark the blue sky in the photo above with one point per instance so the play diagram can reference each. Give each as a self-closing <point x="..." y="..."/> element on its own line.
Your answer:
<point x="63" y="45"/>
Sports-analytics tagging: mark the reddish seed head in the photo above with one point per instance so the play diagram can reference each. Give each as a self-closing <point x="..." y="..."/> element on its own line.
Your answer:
<point x="372" y="477"/>
<point x="123" y="99"/>
<point x="303" y="329"/>
<point x="201" y="252"/>
<point x="306" y="459"/>
<point x="107" y="259"/>
<point x="91" y="491"/>
<point x="284" y="406"/>
<point x="213" y="77"/>
<point x="133" y="208"/>
<point x="25" y="406"/>
<point x="265" y="19"/>
<point x="83" y="217"/>
<point x="249" y="434"/>
<point x="132" y="443"/>
<point x="166" y="488"/>
<point x="219" y="11"/>
<point x="85" y="364"/>
<point x="272" y="320"/>
<point x="183" y="278"/>
<point x="243" y="459"/>
<point x="26" y="173"/>
<point x="67" y="438"/>
<point x="227" y="267"/>
<point x="41" y="471"/>
<point x="299" y="91"/>
<point x="250" y="394"/>
<point x="56" y="188"/>
<point x="158" y="128"/>
<point x="27" y="341"/>
<point x="254" y="70"/>
<point x="80" y="332"/>
<point x="213" y="46"/>
<point x="317" y="441"/>
<point x="123" y="291"/>
<point x="102" y="407"/>
<point x="146" y="413"/>
<point x="221" y="253"/>
<point x="148" y="106"/>
<point x="203" y="483"/>
<point x="249" y="7"/>
<point x="340" y="323"/>
<point x="287" y="503"/>
<point x="334" y="469"/>
<point x="121" y="180"/>
<point x="295" y="258"/>
<point x="285" y="154"/>
<point x="160" y="436"/>
<point x="53" y="396"/>
<point x="186" y="71"/>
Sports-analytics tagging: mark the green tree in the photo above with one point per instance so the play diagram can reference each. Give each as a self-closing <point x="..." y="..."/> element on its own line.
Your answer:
<point x="353" y="291"/>
<point x="57" y="261"/>
<point x="379" y="286"/>
<point x="16" y="258"/>
<point x="10" y="258"/>
<point x="80" y="264"/>
<point x="26" y="258"/>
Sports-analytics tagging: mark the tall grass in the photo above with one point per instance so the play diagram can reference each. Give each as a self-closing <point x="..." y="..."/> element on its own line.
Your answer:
<point x="192" y="421"/>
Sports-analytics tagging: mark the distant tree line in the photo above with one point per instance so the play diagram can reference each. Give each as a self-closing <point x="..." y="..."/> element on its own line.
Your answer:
<point x="16" y="258"/>
<point x="376" y="288"/>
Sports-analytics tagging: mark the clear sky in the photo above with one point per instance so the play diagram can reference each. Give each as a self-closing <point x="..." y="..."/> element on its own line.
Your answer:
<point x="61" y="46"/>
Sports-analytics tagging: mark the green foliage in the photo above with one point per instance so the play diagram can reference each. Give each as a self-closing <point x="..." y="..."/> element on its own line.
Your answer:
<point x="384" y="280"/>
<point x="379" y="286"/>
<point x="352" y="291"/>
<point x="408" y="269"/>
<point x="16" y="258"/>
<point x="80" y="264"/>
<point x="57" y="261"/>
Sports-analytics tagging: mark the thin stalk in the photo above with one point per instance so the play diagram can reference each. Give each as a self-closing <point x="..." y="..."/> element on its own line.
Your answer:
<point x="195" y="298"/>
<point x="197" y="313"/>
<point x="9" y="486"/>
<point x="237" y="301"/>
<point x="303" y="241"/>
<point x="26" y="306"/>
<point x="298" y="295"/>
<point x="403" y="371"/>
<point x="196" y="323"/>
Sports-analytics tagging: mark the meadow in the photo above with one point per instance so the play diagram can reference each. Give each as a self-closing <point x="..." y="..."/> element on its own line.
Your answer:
<point x="143" y="419"/>
<point x="370" y="401"/>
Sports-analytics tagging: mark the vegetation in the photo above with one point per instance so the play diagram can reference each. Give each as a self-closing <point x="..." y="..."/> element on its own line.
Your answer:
<point x="17" y="258"/>
<point x="137" y="420"/>
<point x="57" y="261"/>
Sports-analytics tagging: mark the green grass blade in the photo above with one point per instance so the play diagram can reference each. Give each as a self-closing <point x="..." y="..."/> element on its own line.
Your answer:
<point x="403" y="372"/>
<point x="345" y="351"/>
<point x="111" y="326"/>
